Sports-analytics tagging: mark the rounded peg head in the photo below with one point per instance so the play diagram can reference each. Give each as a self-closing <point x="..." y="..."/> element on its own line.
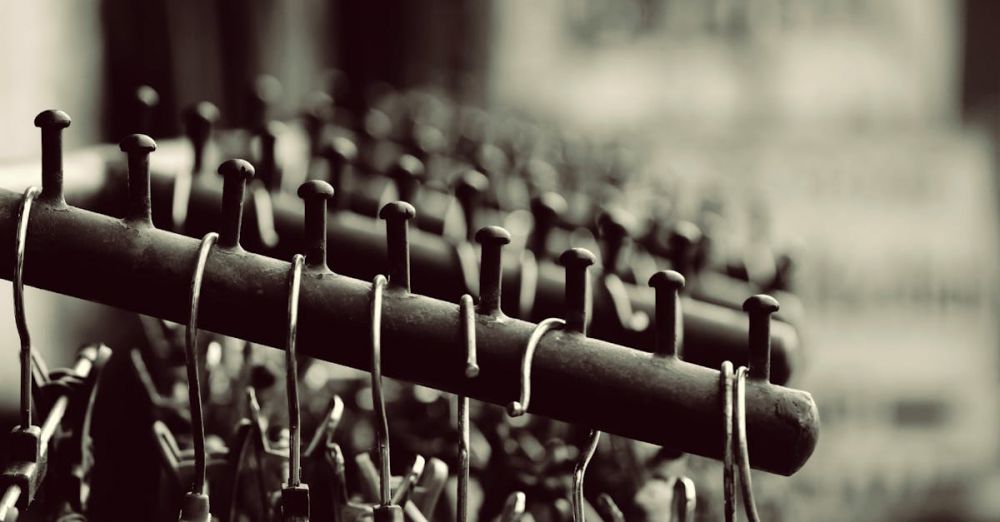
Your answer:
<point x="407" y="167"/>
<point x="397" y="210"/>
<point x="147" y="96"/>
<point x="493" y="235"/>
<point x="668" y="280"/>
<point x="315" y="189"/>
<point x="274" y="128"/>
<point x="548" y="206"/>
<point x="472" y="183"/>
<point x="577" y="258"/>
<point x="52" y="119"/>
<point x="137" y="143"/>
<point x="343" y="149"/>
<point x="684" y="235"/>
<point x="266" y="88"/>
<point x="200" y="117"/>
<point x="236" y="169"/>
<point x="319" y="106"/>
<point x="613" y="224"/>
<point x="761" y="304"/>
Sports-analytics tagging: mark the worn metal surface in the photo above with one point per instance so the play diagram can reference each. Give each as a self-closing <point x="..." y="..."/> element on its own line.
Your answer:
<point x="581" y="380"/>
<point x="712" y="333"/>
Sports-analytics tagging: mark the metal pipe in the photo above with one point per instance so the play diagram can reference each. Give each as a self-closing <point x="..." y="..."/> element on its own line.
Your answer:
<point x="579" y="380"/>
<point x="712" y="333"/>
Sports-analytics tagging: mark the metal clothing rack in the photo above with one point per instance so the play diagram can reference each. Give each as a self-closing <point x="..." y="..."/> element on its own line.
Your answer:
<point x="658" y="397"/>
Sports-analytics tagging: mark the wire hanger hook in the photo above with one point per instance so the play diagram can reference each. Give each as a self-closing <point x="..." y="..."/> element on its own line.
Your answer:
<point x="195" y="506"/>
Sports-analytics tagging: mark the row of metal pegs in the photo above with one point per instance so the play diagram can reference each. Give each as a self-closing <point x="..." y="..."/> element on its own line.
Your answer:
<point x="714" y="330"/>
<point x="240" y="292"/>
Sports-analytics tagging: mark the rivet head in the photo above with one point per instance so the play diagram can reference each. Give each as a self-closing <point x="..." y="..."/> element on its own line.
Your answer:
<point x="137" y="143"/>
<point x="576" y="258"/>
<point x="397" y="210"/>
<point x="761" y="303"/>
<point x="236" y="168"/>
<point x="52" y="119"/>
<point x="667" y="280"/>
<point x="493" y="235"/>
<point x="315" y="188"/>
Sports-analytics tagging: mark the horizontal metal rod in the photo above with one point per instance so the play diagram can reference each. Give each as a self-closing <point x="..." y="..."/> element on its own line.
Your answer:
<point x="575" y="379"/>
<point x="712" y="333"/>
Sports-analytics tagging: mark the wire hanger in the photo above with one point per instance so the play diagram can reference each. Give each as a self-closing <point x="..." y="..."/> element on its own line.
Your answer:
<point x="468" y="319"/>
<point x="294" y="494"/>
<point x="385" y="511"/>
<point x="196" y="504"/>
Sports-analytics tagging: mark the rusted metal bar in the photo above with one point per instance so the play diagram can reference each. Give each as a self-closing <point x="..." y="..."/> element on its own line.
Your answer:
<point x="609" y="387"/>
<point x="712" y="333"/>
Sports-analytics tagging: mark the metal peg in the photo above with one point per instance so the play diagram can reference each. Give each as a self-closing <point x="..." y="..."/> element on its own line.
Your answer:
<point x="683" y="242"/>
<point x="340" y="155"/>
<point x="315" y="193"/>
<point x="546" y="210"/>
<point x="138" y="147"/>
<point x="397" y="216"/>
<point x="52" y="123"/>
<point x="198" y="122"/>
<point x="614" y="232"/>
<point x="319" y="110"/>
<point x="759" y="309"/>
<point x="146" y="100"/>
<point x="235" y="174"/>
<point x="266" y="89"/>
<point x="270" y="172"/>
<point x="492" y="240"/>
<point x="469" y="192"/>
<point x="577" y="262"/>
<point x="668" y="325"/>
<point x="406" y="174"/>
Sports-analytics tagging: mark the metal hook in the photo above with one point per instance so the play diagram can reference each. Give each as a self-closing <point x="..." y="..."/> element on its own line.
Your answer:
<point x="578" y="473"/>
<point x="294" y="495"/>
<point x="385" y="511"/>
<point x="195" y="504"/>
<point x="742" y="452"/>
<point x="728" y="470"/>
<point x="468" y="311"/>
<point x="520" y="406"/>
<point x="291" y="373"/>
<point x="20" y="242"/>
